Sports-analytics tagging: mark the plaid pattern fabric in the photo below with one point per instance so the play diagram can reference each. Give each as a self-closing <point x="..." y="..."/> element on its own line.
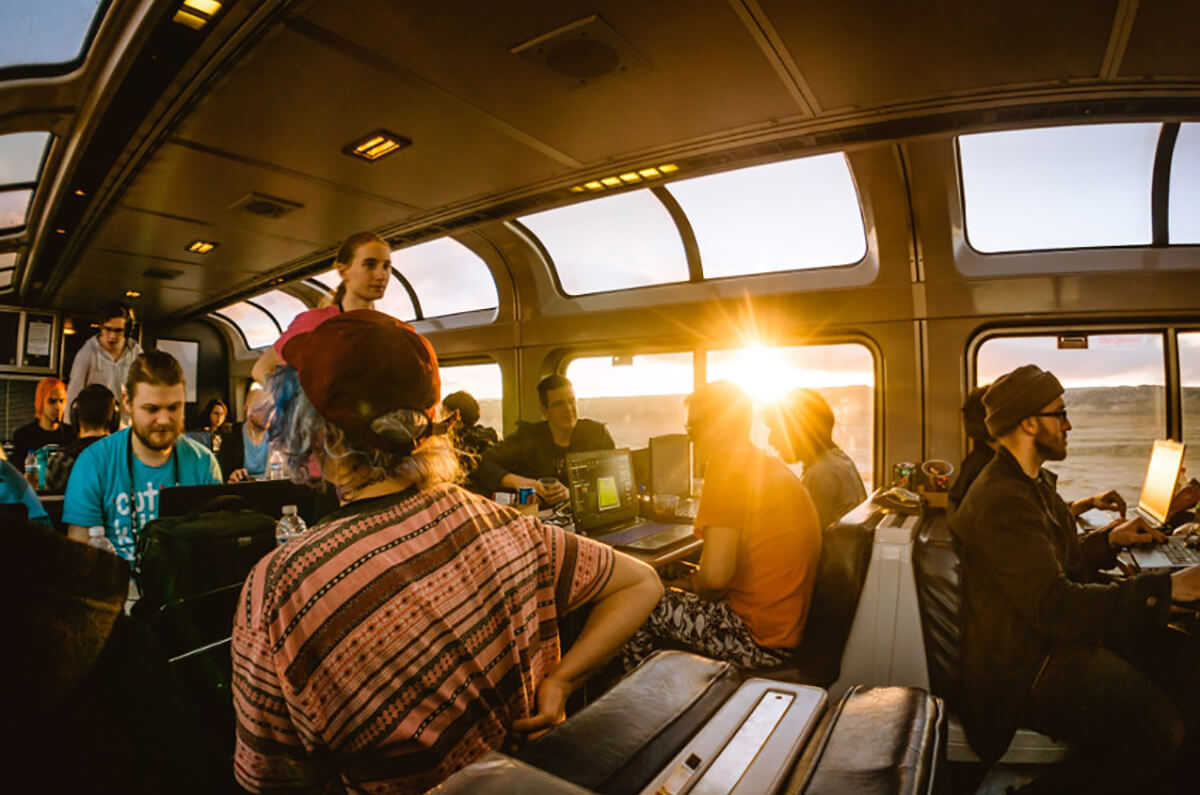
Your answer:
<point x="398" y="640"/>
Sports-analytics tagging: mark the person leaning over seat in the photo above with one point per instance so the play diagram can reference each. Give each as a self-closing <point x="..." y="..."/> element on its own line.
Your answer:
<point x="1048" y="641"/>
<point x="116" y="481"/>
<point x="748" y="601"/>
<point x="415" y="629"/>
<point x="539" y="450"/>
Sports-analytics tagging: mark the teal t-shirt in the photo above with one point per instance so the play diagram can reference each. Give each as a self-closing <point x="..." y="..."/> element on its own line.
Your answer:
<point x="100" y="491"/>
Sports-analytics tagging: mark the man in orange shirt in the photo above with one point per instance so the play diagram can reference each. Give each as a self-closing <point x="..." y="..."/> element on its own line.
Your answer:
<point x="748" y="601"/>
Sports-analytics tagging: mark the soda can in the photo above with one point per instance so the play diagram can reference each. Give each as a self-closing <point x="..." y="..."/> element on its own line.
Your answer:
<point x="524" y="495"/>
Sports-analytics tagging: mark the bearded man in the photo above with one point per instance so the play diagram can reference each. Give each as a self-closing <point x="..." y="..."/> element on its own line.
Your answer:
<point x="115" y="482"/>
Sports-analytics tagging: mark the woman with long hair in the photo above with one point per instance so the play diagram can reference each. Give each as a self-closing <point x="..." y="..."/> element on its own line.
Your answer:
<point x="364" y="263"/>
<point x="414" y="629"/>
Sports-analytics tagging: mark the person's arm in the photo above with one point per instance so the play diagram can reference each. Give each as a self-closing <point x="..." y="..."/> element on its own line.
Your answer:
<point x="264" y="366"/>
<point x="82" y="504"/>
<point x="718" y="562"/>
<point x="499" y="461"/>
<point x="1106" y="501"/>
<point x="632" y="591"/>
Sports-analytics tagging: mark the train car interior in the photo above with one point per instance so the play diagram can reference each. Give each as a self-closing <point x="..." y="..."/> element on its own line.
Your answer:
<point x="889" y="203"/>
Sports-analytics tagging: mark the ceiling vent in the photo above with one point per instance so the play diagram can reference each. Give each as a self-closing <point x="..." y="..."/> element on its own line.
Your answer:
<point x="161" y="273"/>
<point x="265" y="206"/>
<point x="582" y="52"/>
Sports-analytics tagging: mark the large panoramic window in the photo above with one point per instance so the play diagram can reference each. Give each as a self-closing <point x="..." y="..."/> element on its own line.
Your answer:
<point x="637" y="396"/>
<point x="784" y="216"/>
<point x="612" y="243"/>
<point x="447" y="277"/>
<point x="8" y="264"/>
<point x="1058" y="187"/>
<point x="484" y="383"/>
<point x="256" y="326"/>
<point x="41" y="32"/>
<point x="1189" y="377"/>
<point x="1115" y="390"/>
<point x="843" y="373"/>
<point x="282" y="306"/>
<point x="20" y="158"/>
<point x="1183" y="204"/>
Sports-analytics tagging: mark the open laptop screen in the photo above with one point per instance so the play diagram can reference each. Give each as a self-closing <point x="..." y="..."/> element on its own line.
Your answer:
<point x="1161" y="477"/>
<point x="602" y="489"/>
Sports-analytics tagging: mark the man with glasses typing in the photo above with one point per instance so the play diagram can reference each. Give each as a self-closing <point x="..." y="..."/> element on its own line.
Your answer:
<point x="106" y="357"/>
<point x="1049" y="641"/>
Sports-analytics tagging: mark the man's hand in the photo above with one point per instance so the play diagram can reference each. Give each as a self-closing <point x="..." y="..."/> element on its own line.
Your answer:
<point x="1185" y="585"/>
<point x="550" y="493"/>
<point x="1132" y="533"/>
<point x="551" y="708"/>
<point x="238" y="475"/>
<point x="1109" y="501"/>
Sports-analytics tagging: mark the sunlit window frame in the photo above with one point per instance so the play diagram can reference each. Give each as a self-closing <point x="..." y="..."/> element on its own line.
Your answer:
<point x="29" y="186"/>
<point x="218" y="313"/>
<point x="312" y="282"/>
<point x="21" y="71"/>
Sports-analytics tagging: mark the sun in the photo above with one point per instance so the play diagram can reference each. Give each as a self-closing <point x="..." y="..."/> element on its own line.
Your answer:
<point x="762" y="372"/>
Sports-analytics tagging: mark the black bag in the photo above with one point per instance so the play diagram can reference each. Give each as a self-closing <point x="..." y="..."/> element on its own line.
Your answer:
<point x="214" y="546"/>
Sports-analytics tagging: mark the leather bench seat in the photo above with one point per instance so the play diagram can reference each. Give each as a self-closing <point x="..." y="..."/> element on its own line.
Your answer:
<point x="619" y="742"/>
<point x="878" y="741"/>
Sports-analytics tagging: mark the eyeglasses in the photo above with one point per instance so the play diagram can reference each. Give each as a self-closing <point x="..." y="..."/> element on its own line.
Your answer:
<point x="1061" y="414"/>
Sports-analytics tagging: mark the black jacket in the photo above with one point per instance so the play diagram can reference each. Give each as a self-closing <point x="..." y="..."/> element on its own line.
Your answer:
<point x="1031" y="584"/>
<point x="530" y="451"/>
<point x="970" y="468"/>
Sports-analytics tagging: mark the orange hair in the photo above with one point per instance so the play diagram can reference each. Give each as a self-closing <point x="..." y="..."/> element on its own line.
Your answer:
<point x="44" y="388"/>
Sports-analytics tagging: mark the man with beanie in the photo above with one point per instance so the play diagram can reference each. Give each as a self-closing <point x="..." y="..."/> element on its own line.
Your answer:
<point x="1048" y="641"/>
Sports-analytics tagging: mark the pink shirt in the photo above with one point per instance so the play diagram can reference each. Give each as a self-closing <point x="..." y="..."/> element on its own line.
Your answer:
<point x="305" y="321"/>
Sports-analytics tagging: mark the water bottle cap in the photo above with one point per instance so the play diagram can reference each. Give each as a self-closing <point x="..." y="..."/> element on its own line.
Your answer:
<point x="95" y="532"/>
<point x="289" y="509"/>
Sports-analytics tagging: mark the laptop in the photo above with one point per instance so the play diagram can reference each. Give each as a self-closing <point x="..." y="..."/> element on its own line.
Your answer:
<point x="604" y="502"/>
<point x="671" y="472"/>
<point x="1154" y="507"/>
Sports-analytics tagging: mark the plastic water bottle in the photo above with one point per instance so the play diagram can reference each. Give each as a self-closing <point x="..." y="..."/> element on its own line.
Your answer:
<point x="31" y="469"/>
<point x="97" y="539"/>
<point x="289" y="526"/>
<point x="275" y="467"/>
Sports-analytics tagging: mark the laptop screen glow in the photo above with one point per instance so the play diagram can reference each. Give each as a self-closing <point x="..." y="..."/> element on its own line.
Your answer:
<point x="1161" y="477"/>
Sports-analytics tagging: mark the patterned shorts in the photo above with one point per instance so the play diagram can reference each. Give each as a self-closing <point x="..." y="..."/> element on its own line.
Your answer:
<point x="709" y="628"/>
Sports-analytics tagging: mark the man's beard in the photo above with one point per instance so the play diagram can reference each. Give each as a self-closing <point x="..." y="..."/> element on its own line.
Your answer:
<point x="144" y="435"/>
<point x="1048" y="449"/>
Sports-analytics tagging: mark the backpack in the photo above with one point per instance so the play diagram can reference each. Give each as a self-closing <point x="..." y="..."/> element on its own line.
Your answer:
<point x="212" y="547"/>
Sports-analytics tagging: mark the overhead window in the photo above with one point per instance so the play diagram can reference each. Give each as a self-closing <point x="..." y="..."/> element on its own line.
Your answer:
<point x="20" y="158"/>
<point x="395" y="301"/>
<point x="483" y="382"/>
<point x="612" y="243"/>
<point x="282" y="306"/>
<point x="843" y="373"/>
<point x="792" y="215"/>
<point x="1115" y="396"/>
<point x="1058" y="187"/>
<point x="39" y="32"/>
<point x="8" y="264"/>
<point x="636" y="396"/>
<point x="1183" y="204"/>
<point x="447" y="277"/>
<point x="1189" y="379"/>
<point x="257" y="327"/>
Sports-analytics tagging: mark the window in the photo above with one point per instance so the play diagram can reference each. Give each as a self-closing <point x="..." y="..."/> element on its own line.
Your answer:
<point x="41" y="32"/>
<point x="612" y="243"/>
<point x="484" y="383"/>
<point x="843" y="373"/>
<point x="1189" y="372"/>
<point x="1059" y="187"/>
<point x="395" y="301"/>
<point x="1115" y="391"/>
<point x="8" y="264"/>
<point x="1183" y="204"/>
<point x="255" y="325"/>
<point x="447" y="277"/>
<point x="792" y="215"/>
<point x="20" y="159"/>
<point x="636" y="396"/>
<point x="281" y="306"/>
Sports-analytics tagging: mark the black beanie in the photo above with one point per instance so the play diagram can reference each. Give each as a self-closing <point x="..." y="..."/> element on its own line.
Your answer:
<point x="1017" y="395"/>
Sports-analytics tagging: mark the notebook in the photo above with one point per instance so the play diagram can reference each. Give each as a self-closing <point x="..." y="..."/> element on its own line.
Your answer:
<point x="604" y="502"/>
<point x="1154" y="507"/>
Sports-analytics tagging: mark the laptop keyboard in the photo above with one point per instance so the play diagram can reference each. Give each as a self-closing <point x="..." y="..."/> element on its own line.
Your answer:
<point x="1178" y="553"/>
<point x="643" y="531"/>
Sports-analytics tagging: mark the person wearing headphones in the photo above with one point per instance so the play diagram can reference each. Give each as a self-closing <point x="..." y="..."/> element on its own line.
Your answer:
<point x="106" y="357"/>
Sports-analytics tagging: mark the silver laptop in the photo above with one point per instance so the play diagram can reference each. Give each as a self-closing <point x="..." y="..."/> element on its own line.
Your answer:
<point x="1154" y="507"/>
<point x="605" y="504"/>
